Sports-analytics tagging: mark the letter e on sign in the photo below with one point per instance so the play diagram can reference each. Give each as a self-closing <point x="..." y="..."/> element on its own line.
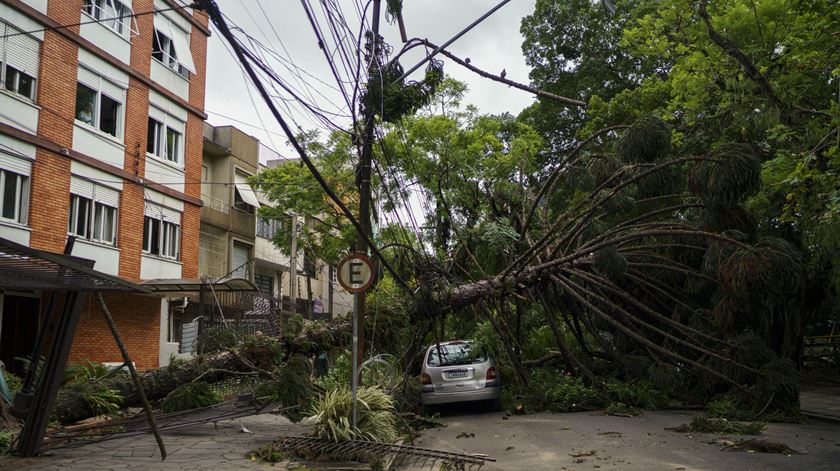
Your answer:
<point x="355" y="273"/>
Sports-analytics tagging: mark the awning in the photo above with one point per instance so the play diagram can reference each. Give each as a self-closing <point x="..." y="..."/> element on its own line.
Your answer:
<point x="245" y="190"/>
<point x="23" y="268"/>
<point x="179" y="40"/>
<point x="182" y="47"/>
<point x="193" y="285"/>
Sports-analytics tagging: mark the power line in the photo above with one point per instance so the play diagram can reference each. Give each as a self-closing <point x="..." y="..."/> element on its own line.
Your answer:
<point x="452" y="40"/>
<point x="215" y="15"/>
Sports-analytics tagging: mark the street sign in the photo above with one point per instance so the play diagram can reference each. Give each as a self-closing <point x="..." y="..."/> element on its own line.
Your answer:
<point x="355" y="273"/>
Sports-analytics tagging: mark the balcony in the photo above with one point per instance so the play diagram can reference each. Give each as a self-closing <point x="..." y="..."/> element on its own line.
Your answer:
<point x="215" y="203"/>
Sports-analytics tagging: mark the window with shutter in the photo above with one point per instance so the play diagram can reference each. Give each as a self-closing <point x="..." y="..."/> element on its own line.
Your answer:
<point x="161" y="231"/>
<point x="112" y="14"/>
<point x="18" y="61"/>
<point x="171" y="46"/>
<point x="240" y="261"/>
<point x="99" y="102"/>
<point x="93" y="211"/>
<point x="165" y="136"/>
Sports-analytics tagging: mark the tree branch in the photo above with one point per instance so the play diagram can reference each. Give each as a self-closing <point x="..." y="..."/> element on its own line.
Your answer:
<point x="497" y="78"/>
<point x="732" y="50"/>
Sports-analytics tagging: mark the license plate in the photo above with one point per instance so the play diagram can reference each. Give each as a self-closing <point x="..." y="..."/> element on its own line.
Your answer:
<point x="457" y="374"/>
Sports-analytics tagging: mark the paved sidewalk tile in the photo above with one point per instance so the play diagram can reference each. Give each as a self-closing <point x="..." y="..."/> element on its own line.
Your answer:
<point x="205" y="446"/>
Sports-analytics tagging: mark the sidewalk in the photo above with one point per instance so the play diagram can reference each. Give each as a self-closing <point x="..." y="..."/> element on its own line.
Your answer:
<point x="198" y="447"/>
<point x="823" y="403"/>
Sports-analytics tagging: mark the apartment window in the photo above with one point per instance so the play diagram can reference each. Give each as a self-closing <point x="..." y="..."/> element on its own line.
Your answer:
<point x="93" y="211"/>
<point x="14" y="194"/>
<point x="112" y="14"/>
<point x="18" y="61"/>
<point x="99" y="103"/>
<point x="244" y="198"/>
<point x="265" y="283"/>
<point x="165" y="52"/>
<point x="92" y="220"/>
<point x="161" y="231"/>
<point x="267" y="228"/>
<point x="164" y="141"/>
<point x="79" y="220"/>
<point x="240" y="204"/>
<point x="240" y="261"/>
<point x="161" y="238"/>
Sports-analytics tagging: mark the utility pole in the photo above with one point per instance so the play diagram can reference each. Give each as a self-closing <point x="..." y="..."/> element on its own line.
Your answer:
<point x="364" y="172"/>
<point x="293" y="267"/>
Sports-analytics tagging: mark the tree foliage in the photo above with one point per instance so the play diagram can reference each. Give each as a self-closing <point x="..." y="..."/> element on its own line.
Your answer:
<point x="691" y="205"/>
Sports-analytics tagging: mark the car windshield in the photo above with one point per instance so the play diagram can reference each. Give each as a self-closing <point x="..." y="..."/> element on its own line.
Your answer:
<point x="455" y="354"/>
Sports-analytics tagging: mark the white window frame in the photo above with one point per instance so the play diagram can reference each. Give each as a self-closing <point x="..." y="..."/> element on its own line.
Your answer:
<point x="97" y="108"/>
<point x="98" y="232"/>
<point x="106" y="13"/>
<point x="168" y="51"/>
<point x="73" y="217"/>
<point x="91" y="231"/>
<point x="5" y="41"/>
<point x="160" y="145"/>
<point x="169" y="237"/>
<point x="21" y="197"/>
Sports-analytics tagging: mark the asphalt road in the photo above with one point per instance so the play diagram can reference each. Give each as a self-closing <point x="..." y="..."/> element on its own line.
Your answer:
<point x="550" y="442"/>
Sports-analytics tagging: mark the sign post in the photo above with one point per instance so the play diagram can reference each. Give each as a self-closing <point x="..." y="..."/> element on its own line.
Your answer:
<point x="355" y="274"/>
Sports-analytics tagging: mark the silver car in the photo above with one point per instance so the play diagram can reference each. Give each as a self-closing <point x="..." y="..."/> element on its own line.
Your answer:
<point x="454" y="372"/>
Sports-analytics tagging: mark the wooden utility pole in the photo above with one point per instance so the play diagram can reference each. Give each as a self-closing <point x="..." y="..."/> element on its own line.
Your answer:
<point x="365" y="166"/>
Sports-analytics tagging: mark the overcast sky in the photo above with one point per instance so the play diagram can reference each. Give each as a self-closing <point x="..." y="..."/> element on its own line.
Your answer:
<point x="493" y="45"/>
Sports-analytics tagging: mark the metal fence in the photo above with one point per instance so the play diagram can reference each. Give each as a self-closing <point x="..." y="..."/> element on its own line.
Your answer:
<point x="243" y="313"/>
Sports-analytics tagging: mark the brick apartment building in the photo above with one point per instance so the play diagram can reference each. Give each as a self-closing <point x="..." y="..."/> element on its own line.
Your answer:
<point x="101" y="138"/>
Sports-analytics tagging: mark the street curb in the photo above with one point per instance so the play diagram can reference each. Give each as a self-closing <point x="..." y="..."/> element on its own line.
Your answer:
<point x="821" y="417"/>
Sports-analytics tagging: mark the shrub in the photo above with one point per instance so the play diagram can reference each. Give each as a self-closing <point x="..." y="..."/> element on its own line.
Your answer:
<point x="622" y="409"/>
<point x="640" y="394"/>
<point x="100" y="399"/>
<point x="292" y="389"/>
<point x="268" y="454"/>
<point x="89" y="371"/>
<point x="338" y="374"/>
<point x="375" y="413"/>
<point x="559" y="393"/>
<point x="14" y="382"/>
<point x="724" y="409"/>
<point x="7" y="438"/>
<point x="190" y="396"/>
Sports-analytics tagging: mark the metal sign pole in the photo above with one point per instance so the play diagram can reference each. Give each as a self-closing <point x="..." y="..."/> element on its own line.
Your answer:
<point x="354" y="381"/>
<point x="355" y="274"/>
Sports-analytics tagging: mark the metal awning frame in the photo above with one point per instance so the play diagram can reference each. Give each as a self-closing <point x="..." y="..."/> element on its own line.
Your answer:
<point x="25" y="268"/>
<point x="193" y="285"/>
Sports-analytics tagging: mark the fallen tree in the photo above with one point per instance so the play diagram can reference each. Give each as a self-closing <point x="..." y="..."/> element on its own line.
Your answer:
<point x="258" y="356"/>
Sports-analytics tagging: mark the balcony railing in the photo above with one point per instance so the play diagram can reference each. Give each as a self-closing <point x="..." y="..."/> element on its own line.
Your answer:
<point x="215" y="203"/>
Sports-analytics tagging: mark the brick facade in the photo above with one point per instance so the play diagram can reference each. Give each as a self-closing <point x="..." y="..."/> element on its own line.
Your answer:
<point x="132" y="316"/>
<point x="137" y="317"/>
